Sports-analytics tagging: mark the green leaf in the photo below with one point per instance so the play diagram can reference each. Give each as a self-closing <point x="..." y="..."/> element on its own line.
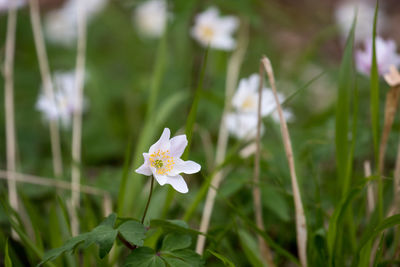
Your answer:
<point x="69" y="246"/>
<point x="134" y="232"/>
<point x="104" y="235"/>
<point x="186" y="255"/>
<point x="250" y="249"/>
<point x="336" y="220"/>
<point x="7" y="260"/>
<point x="222" y="258"/>
<point x="275" y="202"/>
<point x="176" y="241"/>
<point x="144" y="257"/>
<point x="386" y="223"/>
<point x="345" y="83"/>
<point x="175" y="262"/>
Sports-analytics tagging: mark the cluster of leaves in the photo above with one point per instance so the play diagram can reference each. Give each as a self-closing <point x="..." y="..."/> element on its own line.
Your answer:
<point x="174" y="251"/>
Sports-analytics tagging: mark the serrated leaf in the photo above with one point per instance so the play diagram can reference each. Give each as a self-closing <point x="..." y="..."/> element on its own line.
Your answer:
<point x="176" y="241"/>
<point x="222" y="258"/>
<point x="104" y="235"/>
<point x="133" y="231"/>
<point x="175" y="262"/>
<point x="7" y="260"/>
<point x="144" y="257"/>
<point x="69" y="246"/>
<point x="186" y="255"/>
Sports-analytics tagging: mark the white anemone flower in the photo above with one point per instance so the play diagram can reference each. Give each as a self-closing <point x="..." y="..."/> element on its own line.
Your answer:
<point x="243" y="126"/>
<point x="246" y="97"/>
<point x="61" y="26"/>
<point x="242" y="123"/>
<point x="344" y="15"/>
<point x="215" y="31"/>
<point x="164" y="163"/>
<point x="150" y="18"/>
<point x="64" y="104"/>
<point x="8" y="4"/>
<point x="386" y="56"/>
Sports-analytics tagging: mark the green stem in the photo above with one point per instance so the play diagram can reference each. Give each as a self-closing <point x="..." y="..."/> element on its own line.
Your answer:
<point x="148" y="200"/>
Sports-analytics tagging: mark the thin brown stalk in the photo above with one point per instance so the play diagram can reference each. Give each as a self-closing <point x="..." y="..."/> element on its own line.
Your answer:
<point x="9" y="107"/>
<point x="265" y="252"/>
<point x="392" y="101"/>
<point x="231" y="79"/>
<point x="51" y="182"/>
<point x="395" y="207"/>
<point x="77" y="118"/>
<point x="301" y="227"/>
<point x="370" y="189"/>
<point x="47" y="84"/>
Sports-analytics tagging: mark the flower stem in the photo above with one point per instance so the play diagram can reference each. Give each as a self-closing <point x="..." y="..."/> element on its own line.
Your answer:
<point x="148" y="200"/>
<point x="125" y="242"/>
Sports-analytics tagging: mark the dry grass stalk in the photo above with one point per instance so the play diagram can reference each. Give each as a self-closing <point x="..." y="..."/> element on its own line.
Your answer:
<point x="262" y="245"/>
<point x="77" y="118"/>
<point x="301" y="227"/>
<point x="50" y="182"/>
<point x="9" y="108"/>
<point x="392" y="100"/>
<point x="47" y="84"/>
<point x="370" y="189"/>
<point x="232" y="76"/>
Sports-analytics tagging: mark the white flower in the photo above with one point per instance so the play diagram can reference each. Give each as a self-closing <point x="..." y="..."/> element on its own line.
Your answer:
<point x="8" y="4"/>
<point x="246" y="97"/>
<point x="64" y="104"/>
<point x="164" y="163"/>
<point x="211" y="29"/>
<point x="386" y="56"/>
<point x="344" y="16"/>
<point x="151" y="18"/>
<point x="243" y="125"/>
<point x="243" y="122"/>
<point x="61" y="25"/>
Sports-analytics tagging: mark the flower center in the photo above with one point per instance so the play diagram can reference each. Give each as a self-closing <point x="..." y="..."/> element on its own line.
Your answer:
<point x="207" y="33"/>
<point x="248" y="103"/>
<point x="162" y="161"/>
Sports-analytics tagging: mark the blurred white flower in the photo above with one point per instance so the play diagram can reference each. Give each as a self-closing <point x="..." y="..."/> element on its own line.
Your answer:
<point x="151" y="18"/>
<point x="246" y="97"/>
<point x="164" y="163"/>
<point x="211" y="29"/>
<point x="242" y="125"/>
<point x="61" y="25"/>
<point x="386" y="56"/>
<point x="7" y="4"/>
<point x="243" y="122"/>
<point x="64" y="104"/>
<point x="344" y="16"/>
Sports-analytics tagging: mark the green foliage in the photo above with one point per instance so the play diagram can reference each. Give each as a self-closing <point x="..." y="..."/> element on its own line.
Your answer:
<point x="7" y="260"/>
<point x="174" y="252"/>
<point x="222" y="258"/>
<point x="133" y="232"/>
<point x="103" y="235"/>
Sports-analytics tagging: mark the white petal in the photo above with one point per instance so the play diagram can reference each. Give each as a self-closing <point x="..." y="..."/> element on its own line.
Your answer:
<point x="178" y="183"/>
<point x="188" y="167"/>
<point x="162" y="143"/>
<point x="178" y="145"/>
<point x="145" y="168"/>
<point x="161" y="179"/>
